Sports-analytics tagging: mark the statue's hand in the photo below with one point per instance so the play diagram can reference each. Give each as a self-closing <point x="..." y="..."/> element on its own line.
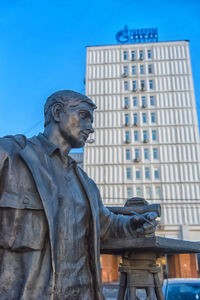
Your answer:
<point x="145" y="223"/>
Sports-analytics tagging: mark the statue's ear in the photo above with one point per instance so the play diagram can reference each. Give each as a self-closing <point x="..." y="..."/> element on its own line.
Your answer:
<point x="56" y="110"/>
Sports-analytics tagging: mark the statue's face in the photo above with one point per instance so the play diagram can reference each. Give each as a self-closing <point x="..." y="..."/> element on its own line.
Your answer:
<point x="75" y="124"/>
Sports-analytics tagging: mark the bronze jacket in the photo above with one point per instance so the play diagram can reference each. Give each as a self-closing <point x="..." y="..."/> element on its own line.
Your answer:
<point x="28" y="212"/>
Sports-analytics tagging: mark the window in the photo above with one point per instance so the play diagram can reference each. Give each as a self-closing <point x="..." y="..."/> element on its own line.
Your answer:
<point x="128" y="154"/>
<point x="147" y="172"/>
<point x="136" y="135"/>
<point x="141" y="54"/>
<point x="158" y="192"/>
<point x="150" y="69"/>
<point x="137" y="153"/>
<point x="127" y="136"/>
<point x="134" y="85"/>
<point x="128" y="173"/>
<point x="144" y="117"/>
<point x="133" y="68"/>
<point x="155" y="153"/>
<point x="125" y="70"/>
<point x="146" y="153"/>
<point x="148" y="192"/>
<point x="129" y="192"/>
<point x="126" y="85"/>
<point x="145" y="135"/>
<point x="135" y="118"/>
<point x="139" y="192"/>
<point x="156" y="173"/>
<point x="152" y="101"/>
<point x="133" y="56"/>
<point x="126" y="118"/>
<point x="126" y="102"/>
<point x="144" y="102"/>
<point x="137" y="173"/>
<point x="153" y="117"/>
<point x="125" y="55"/>
<point x="135" y="101"/>
<point x="151" y="84"/>
<point x="149" y="54"/>
<point x="142" y="84"/>
<point x="141" y="69"/>
<point x="154" y="135"/>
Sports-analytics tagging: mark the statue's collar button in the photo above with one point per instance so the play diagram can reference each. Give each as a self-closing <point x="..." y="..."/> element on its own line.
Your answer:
<point x="67" y="177"/>
<point x="26" y="200"/>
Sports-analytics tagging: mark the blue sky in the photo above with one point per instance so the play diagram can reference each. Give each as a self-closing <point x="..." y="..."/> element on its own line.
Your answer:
<point x="43" y="47"/>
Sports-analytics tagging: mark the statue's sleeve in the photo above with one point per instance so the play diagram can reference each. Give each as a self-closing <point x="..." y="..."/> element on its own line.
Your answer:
<point x="113" y="226"/>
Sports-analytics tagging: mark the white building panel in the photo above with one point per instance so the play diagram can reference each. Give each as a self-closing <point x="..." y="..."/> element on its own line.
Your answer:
<point x="175" y="132"/>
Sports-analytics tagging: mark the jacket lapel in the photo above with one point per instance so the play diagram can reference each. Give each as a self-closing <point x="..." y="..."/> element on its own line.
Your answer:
<point x="88" y="192"/>
<point x="40" y="167"/>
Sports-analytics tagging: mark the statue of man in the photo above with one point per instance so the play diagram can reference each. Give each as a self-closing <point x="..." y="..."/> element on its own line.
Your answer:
<point x="51" y="214"/>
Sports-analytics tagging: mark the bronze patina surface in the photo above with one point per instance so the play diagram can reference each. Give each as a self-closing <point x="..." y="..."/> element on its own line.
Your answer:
<point x="51" y="214"/>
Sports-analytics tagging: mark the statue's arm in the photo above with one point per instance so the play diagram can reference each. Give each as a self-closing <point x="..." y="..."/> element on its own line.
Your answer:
<point x="119" y="226"/>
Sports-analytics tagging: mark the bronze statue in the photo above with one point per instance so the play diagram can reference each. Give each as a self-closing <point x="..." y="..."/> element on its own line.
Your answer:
<point x="51" y="214"/>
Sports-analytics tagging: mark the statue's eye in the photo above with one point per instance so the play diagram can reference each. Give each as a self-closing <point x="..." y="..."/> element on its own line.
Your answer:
<point x="84" y="114"/>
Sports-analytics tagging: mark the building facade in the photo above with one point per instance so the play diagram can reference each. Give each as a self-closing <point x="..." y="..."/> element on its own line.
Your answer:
<point x="146" y="130"/>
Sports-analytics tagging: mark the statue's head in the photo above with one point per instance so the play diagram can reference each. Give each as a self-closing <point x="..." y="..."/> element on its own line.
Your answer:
<point x="72" y="114"/>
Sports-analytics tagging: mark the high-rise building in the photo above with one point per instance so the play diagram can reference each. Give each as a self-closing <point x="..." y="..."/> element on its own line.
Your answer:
<point x="146" y="130"/>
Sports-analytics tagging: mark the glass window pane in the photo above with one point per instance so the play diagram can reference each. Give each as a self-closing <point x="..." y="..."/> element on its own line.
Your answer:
<point x="144" y="117"/>
<point x="150" y="69"/>
<point x="125" y="55"/>
<point x="156" y="173"/>
<point x="152" y="101"/>
<point x="144" y="102"/>
<point x="133" y="70"/>
<point x="149" y="54"/>
<point x="128" y="154"/>
<point x="154" y="135"/>
<point x="148" y="192"/>
<point x="126" y="85"/>
<point x="158" y="192"/>
<point x="141" y="69"/>
<point x="153" y="117"/>
<point x="128" y="173"/>
<point x="145" y="135"/>
<point x="139" y="192"/>
<point x="133" y="55"/>
<point x="155" y="153"/>
<point x="146" y="153"/>
<point x="147" y="172"/>
<point x="137" y="153"/>
<point x="129" y="192"/>
<point x="136" y="135"/>
<point x="134" y="101"/>
<point x="137" y="174"/>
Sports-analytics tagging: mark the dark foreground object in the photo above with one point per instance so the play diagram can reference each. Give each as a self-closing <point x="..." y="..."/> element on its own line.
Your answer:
<point x="138" y="270"/>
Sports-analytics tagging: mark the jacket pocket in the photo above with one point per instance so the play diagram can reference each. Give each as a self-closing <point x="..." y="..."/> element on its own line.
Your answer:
<point x="23" y="228"/>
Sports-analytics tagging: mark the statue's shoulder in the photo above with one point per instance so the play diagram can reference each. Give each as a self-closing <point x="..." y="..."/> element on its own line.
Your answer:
<point x="11" y="142"/>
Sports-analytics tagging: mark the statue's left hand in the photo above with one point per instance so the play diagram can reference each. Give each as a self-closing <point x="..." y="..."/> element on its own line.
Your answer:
<point x="145" y="223"/>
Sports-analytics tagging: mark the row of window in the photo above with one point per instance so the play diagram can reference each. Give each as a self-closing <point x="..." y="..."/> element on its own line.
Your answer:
<point x="143" y="100"/>
<point x="137" y="54"/>
<point x="144" y="134"/>
<point x="146" y="171"/>
<point x="136" y="118"/>
<point x="142" y="84"/>
<point x="141" y="69"/>
<point x="147" y="192"/>
<point x="138" y="154"/>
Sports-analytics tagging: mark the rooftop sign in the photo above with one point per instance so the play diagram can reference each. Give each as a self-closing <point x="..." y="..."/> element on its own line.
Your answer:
<point x="137" y="35"/>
